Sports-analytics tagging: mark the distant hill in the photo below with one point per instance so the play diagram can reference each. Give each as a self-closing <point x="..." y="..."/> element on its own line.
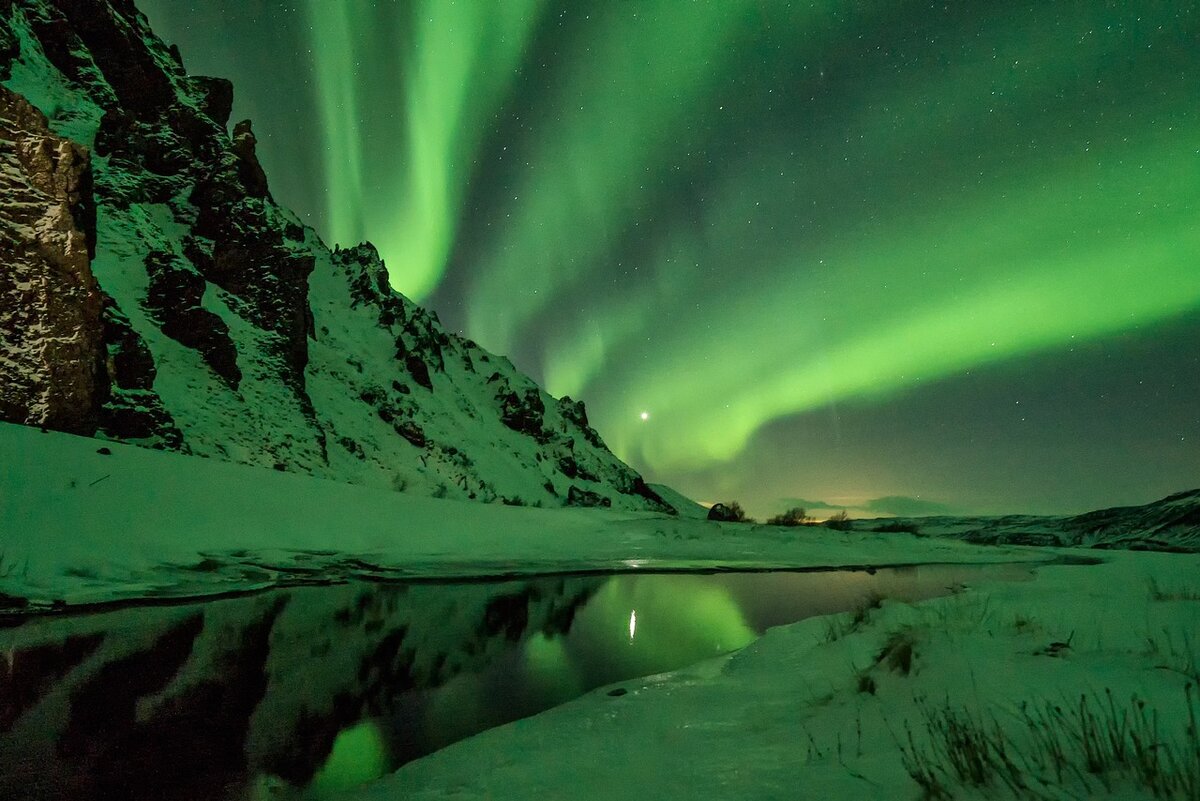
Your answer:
<point x="1171" y="524"/>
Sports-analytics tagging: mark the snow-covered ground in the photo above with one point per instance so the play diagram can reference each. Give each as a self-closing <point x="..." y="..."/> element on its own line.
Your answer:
<point x="83" y="526"/>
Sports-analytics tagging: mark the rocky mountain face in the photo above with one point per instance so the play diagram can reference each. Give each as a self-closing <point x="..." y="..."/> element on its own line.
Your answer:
<point x="152" y="291"/>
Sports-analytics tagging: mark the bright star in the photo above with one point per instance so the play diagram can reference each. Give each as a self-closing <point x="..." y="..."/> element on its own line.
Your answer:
<point x="645" y="416"/>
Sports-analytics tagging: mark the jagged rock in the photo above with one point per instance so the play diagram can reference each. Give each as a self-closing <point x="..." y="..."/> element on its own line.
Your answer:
<point x="81" y="37"/>
<point x="418" y="369"/>
<point x="218" y="99"/>
<point x="582" y="497"/>
<point x="9" y="46"/>
<point x="575" y="412"/>
<point x="249" y="169"/>
<point x="50" y="332"/>
<point x="131" y="409"/>
<point x="522" y="412"/>
<point x="250" y="259"/>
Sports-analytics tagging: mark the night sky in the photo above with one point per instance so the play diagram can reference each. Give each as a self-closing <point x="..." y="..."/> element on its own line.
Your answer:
<point x="895" y="257"/>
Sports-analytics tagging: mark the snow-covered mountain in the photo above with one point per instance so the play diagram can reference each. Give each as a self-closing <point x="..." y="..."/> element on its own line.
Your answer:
<point x="1171" y="524"/>
<point x="152" y="291"/>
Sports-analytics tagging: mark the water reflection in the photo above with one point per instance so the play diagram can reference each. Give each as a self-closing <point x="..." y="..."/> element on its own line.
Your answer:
<point x="312" y="690"/>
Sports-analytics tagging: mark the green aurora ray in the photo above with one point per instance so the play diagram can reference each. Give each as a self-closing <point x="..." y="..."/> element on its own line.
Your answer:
<point x="405" y="193"/>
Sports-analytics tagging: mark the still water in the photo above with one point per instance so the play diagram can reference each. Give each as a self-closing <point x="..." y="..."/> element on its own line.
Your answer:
<point x="302" y="692"/>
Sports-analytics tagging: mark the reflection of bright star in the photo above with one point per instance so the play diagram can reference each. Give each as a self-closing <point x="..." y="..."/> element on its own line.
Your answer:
<point x="645" y="416"/>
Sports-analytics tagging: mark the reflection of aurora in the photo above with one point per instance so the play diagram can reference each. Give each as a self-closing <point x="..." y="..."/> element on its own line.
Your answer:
<point x="680" y="619"/>
<point x="675" y="620"/>
<point x="359" y="754"/>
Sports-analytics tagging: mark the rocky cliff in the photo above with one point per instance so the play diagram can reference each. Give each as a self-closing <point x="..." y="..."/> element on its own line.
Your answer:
<point x="50" y="302"/>
<point x="151" y="290"/>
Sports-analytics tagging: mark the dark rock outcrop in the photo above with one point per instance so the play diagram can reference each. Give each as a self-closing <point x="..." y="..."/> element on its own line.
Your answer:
<point x="523" y="412"/>
<point x="174" y="299"/>
<point x="725" y="514"/>
<point x="131" y="410"/>
<point x="249" y="169"/>
<point x="582" y="497"/>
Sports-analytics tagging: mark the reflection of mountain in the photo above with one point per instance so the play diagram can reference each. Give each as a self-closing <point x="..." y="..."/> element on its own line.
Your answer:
<point x="172" y="702"/>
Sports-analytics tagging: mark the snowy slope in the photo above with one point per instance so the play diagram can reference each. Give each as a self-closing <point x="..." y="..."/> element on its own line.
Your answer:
<point x="684" y="506"/>
<point x="233" y="332"/>
<point x="83" y="526"/>
<point x="826" y="708"/>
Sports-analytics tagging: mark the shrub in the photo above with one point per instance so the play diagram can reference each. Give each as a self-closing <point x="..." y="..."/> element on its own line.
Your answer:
<point x="796" y="516"/>
<point x="839" y="521"/>
<point x="731" y="512"/>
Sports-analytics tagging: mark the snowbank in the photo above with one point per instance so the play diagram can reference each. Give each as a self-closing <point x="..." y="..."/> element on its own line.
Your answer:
<point x="823" y="708"/>
<point x="78" y="525"/>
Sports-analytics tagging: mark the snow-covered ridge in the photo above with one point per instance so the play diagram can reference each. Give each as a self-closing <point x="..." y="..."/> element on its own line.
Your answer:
<point x="229" y="330"/>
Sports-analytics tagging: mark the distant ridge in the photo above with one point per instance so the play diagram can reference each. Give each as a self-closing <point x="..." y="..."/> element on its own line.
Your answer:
<point x="1170" y="524"/>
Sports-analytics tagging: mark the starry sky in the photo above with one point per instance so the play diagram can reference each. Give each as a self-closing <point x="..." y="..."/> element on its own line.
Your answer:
<point x="891" y="257"/>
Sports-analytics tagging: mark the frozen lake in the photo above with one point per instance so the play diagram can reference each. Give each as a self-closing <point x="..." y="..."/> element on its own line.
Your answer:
<point x="304" y="691"/>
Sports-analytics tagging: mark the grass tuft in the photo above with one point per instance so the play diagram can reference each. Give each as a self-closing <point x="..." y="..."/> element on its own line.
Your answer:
<point x="1159" y="593"/>
<point x="1084" y="748"/>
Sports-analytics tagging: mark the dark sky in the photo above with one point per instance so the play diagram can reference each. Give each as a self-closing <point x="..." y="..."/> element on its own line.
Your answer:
<point x="828" y="251"/>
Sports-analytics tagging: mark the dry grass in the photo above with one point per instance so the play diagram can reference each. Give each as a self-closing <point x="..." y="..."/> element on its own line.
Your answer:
<point x="1159" y="593"/>
<point x="1093" y="746"/>
<point x="838" y="626"/>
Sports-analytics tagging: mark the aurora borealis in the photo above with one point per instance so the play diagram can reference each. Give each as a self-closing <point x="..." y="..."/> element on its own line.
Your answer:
<point x="837" y="251"/>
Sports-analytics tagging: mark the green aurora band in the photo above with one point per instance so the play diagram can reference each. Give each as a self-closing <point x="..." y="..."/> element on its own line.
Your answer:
<point x="1020" y="182"/>
<point x="405" y="192"/>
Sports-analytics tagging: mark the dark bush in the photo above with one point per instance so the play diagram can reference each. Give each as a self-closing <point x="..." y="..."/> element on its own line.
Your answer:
<point x="839" y="521"/>
<point x="796" y="516"/>
<point x="731" y="512"/>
